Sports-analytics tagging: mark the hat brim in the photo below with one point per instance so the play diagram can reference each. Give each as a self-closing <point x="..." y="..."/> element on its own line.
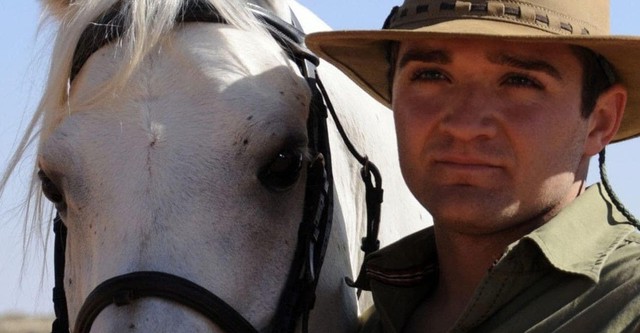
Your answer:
<point x="362" y="55"/>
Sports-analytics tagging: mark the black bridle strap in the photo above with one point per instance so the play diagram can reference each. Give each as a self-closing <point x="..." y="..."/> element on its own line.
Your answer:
<point x="289" y="37"/>
<point x="298" y="297"/>
<point x="124" y="289"/>
<point x="369" y="173"/>
<point x="61" y="323"/>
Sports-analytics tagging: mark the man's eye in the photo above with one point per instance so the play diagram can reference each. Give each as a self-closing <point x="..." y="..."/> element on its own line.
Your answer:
<point x="519" y="80"/>
<point x="428" y="75"/>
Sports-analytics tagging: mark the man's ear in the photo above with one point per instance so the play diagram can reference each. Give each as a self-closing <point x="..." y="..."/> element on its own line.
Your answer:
<point x="605" y="119"/>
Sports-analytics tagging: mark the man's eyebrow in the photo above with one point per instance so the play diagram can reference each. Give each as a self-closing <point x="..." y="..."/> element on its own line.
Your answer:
<point x="433" y="56"/>
<point x="526" y="64"/>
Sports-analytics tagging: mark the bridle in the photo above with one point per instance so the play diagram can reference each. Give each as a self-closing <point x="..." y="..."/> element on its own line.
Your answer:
<point x="298" y="297"/>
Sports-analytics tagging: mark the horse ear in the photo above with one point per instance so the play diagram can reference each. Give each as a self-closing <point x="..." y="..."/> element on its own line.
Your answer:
<point x="56" y="7"/>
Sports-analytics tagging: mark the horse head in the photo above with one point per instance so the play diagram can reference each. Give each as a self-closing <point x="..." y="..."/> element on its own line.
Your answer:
<point x="181" y="146"/>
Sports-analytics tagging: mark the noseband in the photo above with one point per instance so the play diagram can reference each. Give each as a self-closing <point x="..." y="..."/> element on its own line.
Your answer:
<point x="298" y="297"/>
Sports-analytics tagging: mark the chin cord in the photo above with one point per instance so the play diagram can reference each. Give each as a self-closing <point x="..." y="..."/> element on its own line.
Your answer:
<point x="614" y="198"/>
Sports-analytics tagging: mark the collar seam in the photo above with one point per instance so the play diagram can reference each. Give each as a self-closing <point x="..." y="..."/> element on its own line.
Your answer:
<point x="400" y="277"/>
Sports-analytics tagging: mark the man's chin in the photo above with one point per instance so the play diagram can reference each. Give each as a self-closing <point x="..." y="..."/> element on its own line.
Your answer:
<point x="472" y="213"/>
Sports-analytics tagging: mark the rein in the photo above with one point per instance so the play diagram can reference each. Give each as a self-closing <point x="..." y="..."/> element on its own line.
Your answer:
<point x="298" y="298"/>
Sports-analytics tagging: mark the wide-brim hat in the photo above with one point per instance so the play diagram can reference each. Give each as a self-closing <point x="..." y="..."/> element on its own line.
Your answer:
<point x="362" y="54"/>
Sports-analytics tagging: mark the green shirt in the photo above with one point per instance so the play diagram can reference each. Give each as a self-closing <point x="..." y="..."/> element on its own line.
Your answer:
<point x="580" y="272"/>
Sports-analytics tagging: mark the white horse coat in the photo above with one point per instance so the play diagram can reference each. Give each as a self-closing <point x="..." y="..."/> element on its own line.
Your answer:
<point x="156" y="149"/>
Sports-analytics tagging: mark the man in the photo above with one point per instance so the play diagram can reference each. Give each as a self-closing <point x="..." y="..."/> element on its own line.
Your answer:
<point x="499" y="106"/>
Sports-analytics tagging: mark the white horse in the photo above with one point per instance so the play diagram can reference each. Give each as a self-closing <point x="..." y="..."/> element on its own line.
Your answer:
<point x="177" y="149"/>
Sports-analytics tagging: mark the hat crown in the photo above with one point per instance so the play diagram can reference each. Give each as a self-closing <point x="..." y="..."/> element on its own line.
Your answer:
<point x="549" y="16"/>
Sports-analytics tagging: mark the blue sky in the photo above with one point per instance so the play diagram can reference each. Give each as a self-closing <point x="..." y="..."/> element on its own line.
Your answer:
<point x="24" y="59"/>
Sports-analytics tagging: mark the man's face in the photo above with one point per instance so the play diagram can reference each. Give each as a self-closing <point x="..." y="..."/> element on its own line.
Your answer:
<point x="490" y="133"/>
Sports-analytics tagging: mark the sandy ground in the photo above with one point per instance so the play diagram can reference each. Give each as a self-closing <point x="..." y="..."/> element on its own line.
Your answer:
<point x="10" y="323"/>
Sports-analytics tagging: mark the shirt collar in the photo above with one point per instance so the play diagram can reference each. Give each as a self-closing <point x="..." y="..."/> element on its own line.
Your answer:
<point x="401" y="275"/>
<point x="401" y="264"/>
<point x="576" y="241"/>
<point x="579" y="240"/>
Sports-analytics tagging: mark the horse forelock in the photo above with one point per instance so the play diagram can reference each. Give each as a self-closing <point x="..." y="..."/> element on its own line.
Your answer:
<point x="146" y="23"/>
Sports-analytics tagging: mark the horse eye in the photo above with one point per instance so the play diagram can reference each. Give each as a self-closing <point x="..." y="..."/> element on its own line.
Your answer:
<point x="282" y="172"/>
<point x="50" y="190"/>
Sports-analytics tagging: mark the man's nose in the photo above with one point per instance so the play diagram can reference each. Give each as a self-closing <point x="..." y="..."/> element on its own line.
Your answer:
<point x="471" y="114"/>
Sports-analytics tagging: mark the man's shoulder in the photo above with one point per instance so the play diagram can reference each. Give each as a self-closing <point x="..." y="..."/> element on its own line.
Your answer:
<point x="623" y="263"/>
<point x="616" y="296"/>
<point x="633" y="238"/>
